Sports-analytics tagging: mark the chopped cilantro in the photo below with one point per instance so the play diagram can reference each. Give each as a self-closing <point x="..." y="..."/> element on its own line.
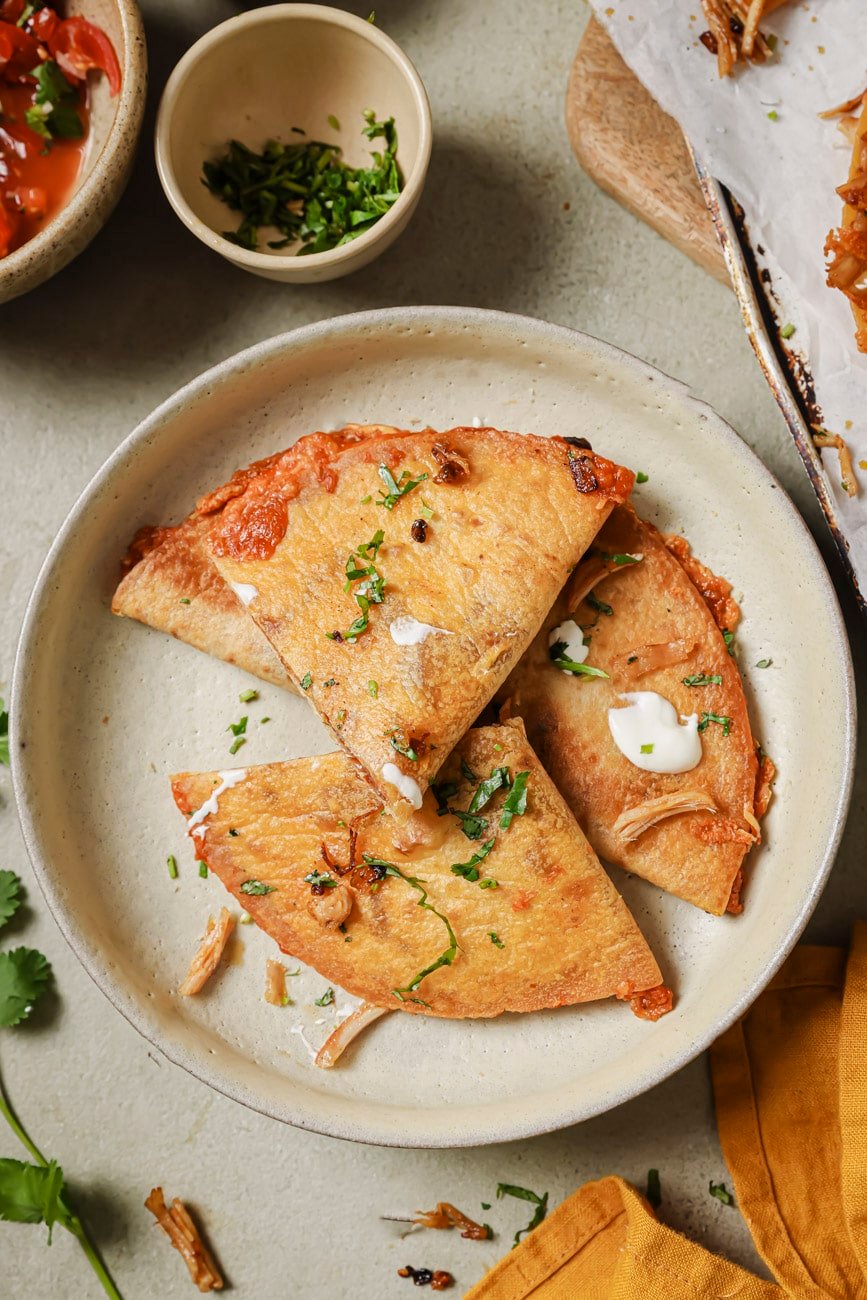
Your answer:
<point x="306" y="681"/>
<point x="787" y="331"/>
<point x="10" y="895"/>
<point x="486" y="1205"/>
<point x="246" y="697"/>
<point x="599" y="605"/>
<point x="54" y="111"/>
<point x="470" y="870"/>
<point x="396" y="488"/>
<point x="321" y="879"/>
<point x="172" y="864"/>
<point x="332" y="681"/>
<point x="516" y="802"/>
<point x="327" y="998"/>
<point x="620" y="560"/>
<point x="707" y="718"/>
<point x="245" y="919"/>
<point x="721" y="1192"/>
<point x="257" y="888"/>
<point x="24" y="975"/>
<point x="522" y="1194"/>
<point x="185" y="600"/>
<point x="729" y="638"/>
<point x="406" y="750"/>
<point x="561" y="660"/>
<point x="487" y="789"/>
<point x="361" y="568"/>
<point x="233" y="832"/>
<point x="647" y="749"/>
<point x="203" y="870"/>
<point x="471" y="825"/>
<point x="373" y="689"/>
<point x="467" y="772"/>
<point x="773" y="115"/>
<point x="262" y="721"/>
<point x="641" y="477"/>
<point x="702" y="679"/>
<point x="237" y="743"/>
<point x="764" y="663"/>
<point x="489" y="883"/>
<point x="447" y="956"/>
<point x="498" y="943"/>
<point x="633" y="659"/>
<point x="425" y="510"/>
<point x="654" y="1188"/>
<point x="238" y="728"/>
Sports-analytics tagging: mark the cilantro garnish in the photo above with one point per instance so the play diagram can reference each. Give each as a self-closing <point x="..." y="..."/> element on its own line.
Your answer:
<point x="10" y="895"/>
<point x="203" y="870"/>
<point x="321" y="880"/>
<point x="707" y="718"/>
<point x="498" y="943"/>
<point x="654" y="1188"/>
<point x="236" y="744"/>
<point x="185" y="600"/>
<point x="246" y="697"/>
<point x="361" y="568"/>
<point x="327" y="998"/>
<point x="238" y="728"/>
<point x="4" y="735"/>
<point x="396" y="488"/>
<point x="257" y="888"/>
<point x="54" y="111"/>
<point x="729" y="638"/>
<point x="447" y="956"/>
<point x="561" y="660"/>
<point x="702" y="679"/>
<point x="787" y="331"/>
<point x="172" y="864"/>
<point x="470" y="870"/>
<point x="306" y="681"/>
<point x="721" y="1192"/>
<point x="373" y="689"/>
<point x="24" y="974"/>
<point x="487" y="789"/>
<point x="471" y="825"/>
<point x="764" y="663"/>
<point x="401" y="747"/>
<point x="522" y="1194"/>
<point x="647" y="749"/>
<point x="306" y="190"/>
<point x="621" y="559"/>
<point x="641" y="477"/>
<point x="516" y="802"/>
<point x="599" y="605"/>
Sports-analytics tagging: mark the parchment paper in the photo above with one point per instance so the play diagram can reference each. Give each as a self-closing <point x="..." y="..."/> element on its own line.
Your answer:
<point x="783" y="169"/>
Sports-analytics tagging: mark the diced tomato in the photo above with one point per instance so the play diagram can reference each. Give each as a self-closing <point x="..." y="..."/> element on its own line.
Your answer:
<point x="80" y="46"/>
<point x="8" y="229"/>
<point x="43" y="24"/>
<point x="19" y="52"/>
<point x="11" y="10"/>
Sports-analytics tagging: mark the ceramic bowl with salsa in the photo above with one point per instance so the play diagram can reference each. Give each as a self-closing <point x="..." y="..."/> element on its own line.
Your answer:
<point x="71" y="97"/>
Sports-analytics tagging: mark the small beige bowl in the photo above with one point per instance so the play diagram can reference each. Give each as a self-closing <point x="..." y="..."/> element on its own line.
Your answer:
<point x="258" y="75"/>
<point x="114" y="130"/>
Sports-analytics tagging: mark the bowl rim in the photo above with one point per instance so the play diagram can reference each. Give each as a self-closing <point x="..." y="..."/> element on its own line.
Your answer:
<point x="319" y="1116"/>
<point x="130" y="105"/>
<point x="326" y="15"/>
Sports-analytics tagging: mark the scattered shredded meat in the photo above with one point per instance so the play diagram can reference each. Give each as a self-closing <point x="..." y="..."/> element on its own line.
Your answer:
<point x="275" y="983"/>
<point x="847" y="245"/>
<point x="648" y="658"/>
<point x="454" y="466"/>
<point x="649" y="1004"/>
<point x="764" y="785"/>
<point x="633" y="822"/>
<point x="847" y="470"/>
<point x="337" y="1042"/>
<point x="446" y="1215"/>
<point x="211" y="949"/>
<point x="332" y="906"/>
<point x="186" y="1239"/>
<point x="716" y="592"/>
<point x="437" y="1280"/>
<point x="733" y="34"/>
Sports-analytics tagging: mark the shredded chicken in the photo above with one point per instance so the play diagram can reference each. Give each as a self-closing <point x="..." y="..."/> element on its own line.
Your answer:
<point x="445" y="1215"/>
<point x="633" y="822"/>
<point x="822" y="438"/>
<point x="846" y="247"/>
<point x="337" y="1042"/>
<point x="733" y="31"/>
<point x="648" y="658"/>
<point x="332" y="906"/>
<point x="186" y="1239"/>
<point x="211" y="949"/>
<point x="275" y="983"/>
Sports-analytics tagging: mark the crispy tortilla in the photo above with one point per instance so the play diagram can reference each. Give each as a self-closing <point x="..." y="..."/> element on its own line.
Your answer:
<point x="311" y="540"/>
<point x="688" y="833"/>
<point x="561" y="933"/>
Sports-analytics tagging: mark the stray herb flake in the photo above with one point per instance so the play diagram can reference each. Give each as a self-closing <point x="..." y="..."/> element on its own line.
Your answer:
<point x="246" y="697"/>
<point x="203" y="870"/>
<point x="185" y="600"/>
<point x="729" y="638"/>
<point x="396" y="488"/>
<point x="721" y="1192"/>
<point x="773" y="115"/>
<point x="561" y="660"/>
<point x="516" y="802"/>
<point x="707" y="718"/>
<point x="373" y="689"/>
<point x="327" y="998"/>
<point x="237" y="743"/>
<point x="470" y="870"/>
<point x="641" y="477"/>
<point x="320" y="880"/>
<point x="333" y="122"/>
<point x="306" y="681"/>
<point x="467" y="772"/>
<point x="787" y="331"/>
<point x="447" y="956"/>
<point x="620" y="560"/>
<point x="498" y="943"/>
<point x="245" y="919"/>
<point x="654" y="1188"/>
<point x="257" y="888"/>
<point x="487" y="789"/>
<point x="238" y="728"/>
<point x="10" y="895"/>
<point x="172" y="864"/>
<point x="401" y="747"/>
<point x="702" y="679"/>
<point x="764" y="663"/>
<point x="522" y="1194"/>
<point x="647" y="749"/>
<point x="599" y="605"/>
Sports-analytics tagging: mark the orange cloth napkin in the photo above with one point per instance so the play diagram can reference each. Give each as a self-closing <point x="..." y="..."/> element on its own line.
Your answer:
<point x="790" y="1086"/>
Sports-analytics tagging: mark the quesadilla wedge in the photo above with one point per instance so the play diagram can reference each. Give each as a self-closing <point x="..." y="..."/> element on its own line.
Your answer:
<point x="399" y="576"/>
<point x="655" y="756"/>
<point x="504" y="908"/>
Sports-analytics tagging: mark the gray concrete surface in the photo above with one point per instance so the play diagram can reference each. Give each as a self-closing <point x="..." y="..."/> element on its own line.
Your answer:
<point x="81" y="361"/>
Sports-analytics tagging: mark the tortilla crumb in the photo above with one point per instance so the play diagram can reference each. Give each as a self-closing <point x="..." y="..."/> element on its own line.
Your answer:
<point x="211" y="949"/>
<point x="186" y="1239"/>
<point x="275" y="983"/>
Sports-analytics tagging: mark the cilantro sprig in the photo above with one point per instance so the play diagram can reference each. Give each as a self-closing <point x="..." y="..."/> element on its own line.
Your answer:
<point x="447" y="956"/>
<point x="523" y="1194"/>
<point x="361" y="568"/>
<point x="396" y="488"/>
<point x="703" y="679"/>
<point x="559" y="658"/>
<point x="708" y="718"/>
<point x="54" y="112"/>
<point x="470" y="870"/>
<point x="305" y="190"/>
<point x="33" y="1191"/>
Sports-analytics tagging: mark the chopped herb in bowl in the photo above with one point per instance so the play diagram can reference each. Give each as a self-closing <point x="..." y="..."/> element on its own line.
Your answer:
<point x="305" y="191"/>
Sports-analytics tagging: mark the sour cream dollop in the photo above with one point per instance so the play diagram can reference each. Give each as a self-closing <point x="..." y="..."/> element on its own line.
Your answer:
<point x="651" y="735"/>
<point x="570" y="632"/>
<point x="408" y="631"/>
<point x="405" y="785"/>
<point x="245" y="591"/>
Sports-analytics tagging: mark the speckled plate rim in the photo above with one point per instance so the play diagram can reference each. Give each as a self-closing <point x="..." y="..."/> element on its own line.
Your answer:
<point x="316" y="1117"/>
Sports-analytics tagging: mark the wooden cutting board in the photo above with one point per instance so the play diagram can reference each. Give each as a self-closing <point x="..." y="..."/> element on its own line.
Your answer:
<point x="635" y="151"/>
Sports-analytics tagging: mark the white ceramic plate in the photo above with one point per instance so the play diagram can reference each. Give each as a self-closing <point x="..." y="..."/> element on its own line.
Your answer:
<point x="104" y="710"/>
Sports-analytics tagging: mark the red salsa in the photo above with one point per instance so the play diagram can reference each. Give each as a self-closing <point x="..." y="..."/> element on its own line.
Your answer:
<point x="44" y="62"/>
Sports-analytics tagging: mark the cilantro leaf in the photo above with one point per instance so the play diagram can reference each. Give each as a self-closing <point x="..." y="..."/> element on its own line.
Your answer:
<point x="327" y="998"/>
<point x="516" y="802"/>
<point x="257" y="888"/>
<point x="24" y="975"/>
<point x="470" y="870"/>
<point x="447" y="956"/>
<point x="523" y="1194"/>
<point x="33" y="1194"/>
<point x="471" y="826"/>
<point x="306" y="681"/>
<point x="599" y="605"/>
<point x="54" y="111"/>
<point x="498" y="943"/>
<point x="721" y="1192"/>
<point x="396" y="488"/>
<point x="707" y="718"/>
<point x="702" y="679"/>
<point x="486" y="790"/>
<point x="10" y="895"/>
